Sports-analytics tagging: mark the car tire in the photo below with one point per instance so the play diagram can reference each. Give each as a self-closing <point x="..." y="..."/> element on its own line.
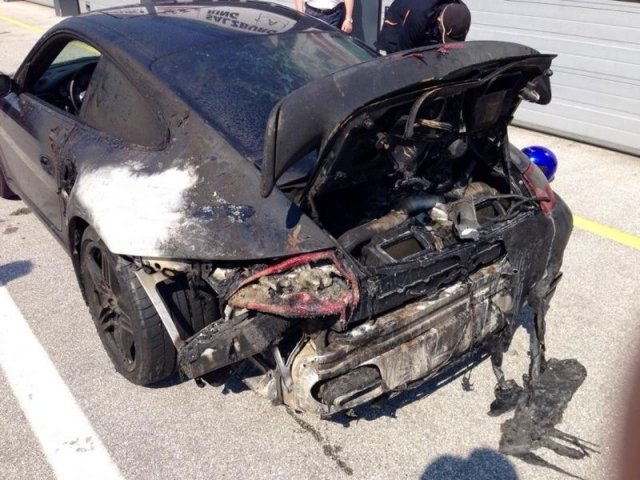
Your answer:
<point x="5" y="191"/>
<point x="127" y="322"/>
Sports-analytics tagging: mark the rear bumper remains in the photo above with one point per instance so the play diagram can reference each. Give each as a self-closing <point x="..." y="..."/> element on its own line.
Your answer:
<point x="456" y="301"/>
<point x="394" y="351"/>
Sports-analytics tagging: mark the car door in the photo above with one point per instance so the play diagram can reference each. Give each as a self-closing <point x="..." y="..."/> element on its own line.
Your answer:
<point x="39" y="117"/>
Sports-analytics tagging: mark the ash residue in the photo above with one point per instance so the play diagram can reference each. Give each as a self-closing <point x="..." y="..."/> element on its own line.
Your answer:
<point x="539" y="408"/>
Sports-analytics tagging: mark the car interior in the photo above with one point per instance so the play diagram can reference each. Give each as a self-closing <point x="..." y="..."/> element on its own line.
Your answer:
<point x="64" y="81"/>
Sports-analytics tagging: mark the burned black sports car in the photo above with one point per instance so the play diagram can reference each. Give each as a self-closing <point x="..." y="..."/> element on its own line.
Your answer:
<point x="237" y="182"/>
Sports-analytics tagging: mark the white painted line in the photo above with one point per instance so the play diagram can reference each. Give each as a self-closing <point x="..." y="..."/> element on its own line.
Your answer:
<point x="73" y="449"/>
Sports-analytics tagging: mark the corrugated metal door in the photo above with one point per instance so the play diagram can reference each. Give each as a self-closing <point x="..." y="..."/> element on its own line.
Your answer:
<point x="596" y="81"/>
<point x="46" y="3"/>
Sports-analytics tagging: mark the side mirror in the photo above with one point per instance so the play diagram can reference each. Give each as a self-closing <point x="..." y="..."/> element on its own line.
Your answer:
<point x="5" y="84"/>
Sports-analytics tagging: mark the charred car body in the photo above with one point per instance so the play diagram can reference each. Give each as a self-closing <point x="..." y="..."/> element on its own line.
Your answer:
<point x="264" y="189"/>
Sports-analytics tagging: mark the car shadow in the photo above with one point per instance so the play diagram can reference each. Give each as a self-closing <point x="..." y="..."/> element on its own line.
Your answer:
<point x="171" y="381"/>
<point x="482" y="464"/>
<point x="12" y="270"/>
<point x="389" y="405"/>
<point x="224" y="378"/>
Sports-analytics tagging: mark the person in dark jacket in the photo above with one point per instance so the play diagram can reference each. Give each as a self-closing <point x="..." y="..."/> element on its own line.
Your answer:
<point x="416" y="23"/>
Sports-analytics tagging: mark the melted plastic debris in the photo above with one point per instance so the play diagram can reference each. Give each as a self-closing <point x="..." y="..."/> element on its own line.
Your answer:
<point x="540" y="406"/>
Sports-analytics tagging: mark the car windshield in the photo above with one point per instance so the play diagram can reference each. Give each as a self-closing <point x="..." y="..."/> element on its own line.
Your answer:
<point x="234" y="84"/>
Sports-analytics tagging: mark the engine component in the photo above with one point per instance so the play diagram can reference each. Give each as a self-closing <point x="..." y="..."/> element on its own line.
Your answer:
<point x="465" y="222"/>
<point x="223" y="343"/>
<point x="361" y="234"/>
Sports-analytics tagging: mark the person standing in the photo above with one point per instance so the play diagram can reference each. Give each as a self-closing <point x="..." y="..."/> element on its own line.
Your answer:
<point x="338" y="13"/>
<point x="416" y="23"/>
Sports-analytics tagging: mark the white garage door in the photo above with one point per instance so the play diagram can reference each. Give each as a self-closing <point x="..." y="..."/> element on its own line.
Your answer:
<point x="46" y="3"/>
<point x="596" y="81"/>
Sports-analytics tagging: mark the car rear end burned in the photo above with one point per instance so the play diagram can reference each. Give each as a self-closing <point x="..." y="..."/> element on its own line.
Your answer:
<point x="345" y="232"/>
<point x="444" y="232"/>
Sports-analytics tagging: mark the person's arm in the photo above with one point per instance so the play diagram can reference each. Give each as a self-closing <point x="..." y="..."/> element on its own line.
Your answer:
<point x="300" y="5"/>
<point x="347" y="24"/>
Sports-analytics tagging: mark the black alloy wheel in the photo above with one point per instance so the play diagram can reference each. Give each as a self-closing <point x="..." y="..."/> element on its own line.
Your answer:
<point x="127" y="322"/>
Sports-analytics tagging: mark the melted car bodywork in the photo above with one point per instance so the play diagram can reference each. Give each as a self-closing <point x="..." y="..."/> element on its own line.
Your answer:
<point x="363" y="224"/>
<point x="449" y="266"/>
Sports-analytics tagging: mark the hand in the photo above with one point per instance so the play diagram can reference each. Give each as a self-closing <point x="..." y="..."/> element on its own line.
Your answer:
<point x="347" y="26"/>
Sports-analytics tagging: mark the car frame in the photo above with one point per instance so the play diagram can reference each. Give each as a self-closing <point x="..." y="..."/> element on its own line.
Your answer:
<point x="366" y="224"/>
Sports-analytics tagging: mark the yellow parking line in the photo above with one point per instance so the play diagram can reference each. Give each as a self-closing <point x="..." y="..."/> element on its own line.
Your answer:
<point x="607" y="232"/>
<point x="26" y="26"/>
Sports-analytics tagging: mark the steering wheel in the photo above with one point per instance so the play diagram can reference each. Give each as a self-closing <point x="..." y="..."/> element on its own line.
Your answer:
<point x="79" y="83"/>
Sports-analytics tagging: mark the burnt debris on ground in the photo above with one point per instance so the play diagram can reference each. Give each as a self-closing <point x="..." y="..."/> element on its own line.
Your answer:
<point x="548" y="387"/>
<point x="539" y="408"/>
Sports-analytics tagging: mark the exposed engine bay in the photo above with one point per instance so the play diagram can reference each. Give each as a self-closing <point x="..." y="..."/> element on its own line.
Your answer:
<point x="438" y="162"/>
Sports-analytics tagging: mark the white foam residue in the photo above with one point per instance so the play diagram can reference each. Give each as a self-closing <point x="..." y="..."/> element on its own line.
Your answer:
<point x="134" y="212"/>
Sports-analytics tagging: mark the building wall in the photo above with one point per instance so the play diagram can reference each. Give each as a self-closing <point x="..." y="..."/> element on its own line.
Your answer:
<point x="46" y="3"/>
<point x="596" y="81"/>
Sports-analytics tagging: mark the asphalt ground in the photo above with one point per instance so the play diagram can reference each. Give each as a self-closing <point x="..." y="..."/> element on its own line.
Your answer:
<point x="180" y="431"/>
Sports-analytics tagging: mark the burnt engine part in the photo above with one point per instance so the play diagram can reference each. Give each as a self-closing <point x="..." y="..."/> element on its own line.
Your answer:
<point x="465" y="221"/>
<point x="359" y="235"/>
<point x="408" y="207"/>
<point x="416" y="204"/>
<point x="223" y="343"/>
<point x="352" y="385"/>
<point x="459" y="207"/>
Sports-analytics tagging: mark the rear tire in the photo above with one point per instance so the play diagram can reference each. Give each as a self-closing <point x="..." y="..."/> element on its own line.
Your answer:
<point x="127" y="322"/>
<point x="5" y="191"/>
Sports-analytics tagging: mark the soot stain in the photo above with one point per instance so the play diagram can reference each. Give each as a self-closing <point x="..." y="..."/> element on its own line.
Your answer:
<point x="331" y="451"/>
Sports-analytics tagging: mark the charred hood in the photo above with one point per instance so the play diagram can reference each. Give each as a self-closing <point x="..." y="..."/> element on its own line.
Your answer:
<point x="485" y="78"/>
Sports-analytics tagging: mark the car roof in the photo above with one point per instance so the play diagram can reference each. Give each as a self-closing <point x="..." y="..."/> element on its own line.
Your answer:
<point x="162" y="28"/>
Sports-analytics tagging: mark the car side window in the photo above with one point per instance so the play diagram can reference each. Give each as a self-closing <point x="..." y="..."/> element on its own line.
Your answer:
<point x="114" y="106"/>
<point x="61" y="74"/>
